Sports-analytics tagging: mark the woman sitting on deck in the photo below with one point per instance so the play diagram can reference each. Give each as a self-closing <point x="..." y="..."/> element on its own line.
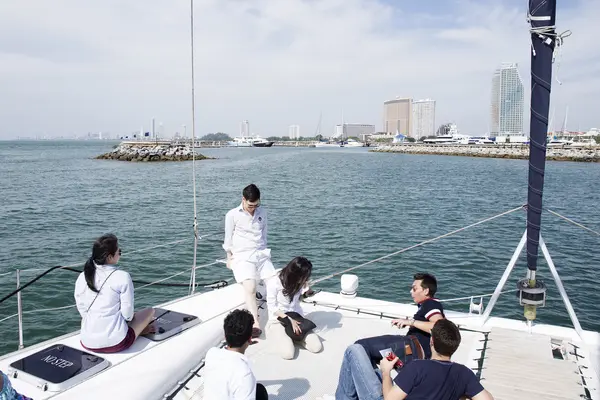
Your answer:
<point x="283" y="302"/>
<point x="104" y="297"/>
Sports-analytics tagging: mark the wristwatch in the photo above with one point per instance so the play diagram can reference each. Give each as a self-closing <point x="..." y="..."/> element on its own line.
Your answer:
<point x="411" y="322"/>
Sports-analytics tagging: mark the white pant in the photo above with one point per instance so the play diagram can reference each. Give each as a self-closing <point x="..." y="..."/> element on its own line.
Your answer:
<point x="285" y="345"/>
<point x="252" y="265"/>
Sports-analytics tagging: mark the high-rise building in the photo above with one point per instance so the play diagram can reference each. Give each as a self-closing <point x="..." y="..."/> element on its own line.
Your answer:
<point x="245" y="128"/>
<point x="397" y="116"/>
<point x="507" y="106"/>
<point x="423" y="118"/>
<point x="294" y="132"/>
<point x="346" y="130"/>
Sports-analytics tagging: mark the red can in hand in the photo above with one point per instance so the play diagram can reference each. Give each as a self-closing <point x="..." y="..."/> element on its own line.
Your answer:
<point x="399" y="364"/>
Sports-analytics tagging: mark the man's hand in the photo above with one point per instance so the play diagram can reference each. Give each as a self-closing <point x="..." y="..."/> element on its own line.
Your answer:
<point x="400" y="323"/>
<point x="386" y="366"/>
<point x="228" y="261"/>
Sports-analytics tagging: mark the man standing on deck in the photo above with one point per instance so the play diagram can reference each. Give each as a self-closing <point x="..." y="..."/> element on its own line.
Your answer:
<point x="246" y="246"/>
<point x="430" y="310"/>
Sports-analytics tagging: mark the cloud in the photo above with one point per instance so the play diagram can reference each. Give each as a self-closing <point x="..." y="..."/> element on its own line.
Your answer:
<point x="70" y="67"/>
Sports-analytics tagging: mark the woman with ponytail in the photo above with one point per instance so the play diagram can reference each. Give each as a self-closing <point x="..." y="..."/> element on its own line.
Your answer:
<point x="104" y="297"/>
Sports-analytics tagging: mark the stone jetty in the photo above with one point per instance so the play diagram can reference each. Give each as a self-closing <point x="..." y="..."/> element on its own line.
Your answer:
<point x="563" y="153"/>
<point x="151" y="152"/>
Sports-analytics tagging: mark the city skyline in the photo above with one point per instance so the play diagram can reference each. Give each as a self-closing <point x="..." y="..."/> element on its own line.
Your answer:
<point x="62" y="74"/>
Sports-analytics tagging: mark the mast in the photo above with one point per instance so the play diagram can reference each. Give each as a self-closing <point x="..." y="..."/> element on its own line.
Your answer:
<point x="193" y="134"/>
<point x="542" y="16"/>
<point x="564" y="127"/>
<point x="532" y="292"/>
<point x="551" y="123"/>
<point x="343" y="127"/>
<point x="318" y="132"/>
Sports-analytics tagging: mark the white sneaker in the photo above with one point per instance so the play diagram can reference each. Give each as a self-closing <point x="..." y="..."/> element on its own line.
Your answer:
<point x="326" y="397"/>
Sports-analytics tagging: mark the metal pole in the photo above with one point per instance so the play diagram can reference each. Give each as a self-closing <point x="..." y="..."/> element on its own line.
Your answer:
<point x="568" y="306"/>
<point x="193" y="134"/>
<point x="561" y="289"/>
<point x="509" y="268"/>
<point x="20" y="310"/>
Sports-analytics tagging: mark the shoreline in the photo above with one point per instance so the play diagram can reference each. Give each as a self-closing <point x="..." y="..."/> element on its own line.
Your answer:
<point x="514" y="152"/>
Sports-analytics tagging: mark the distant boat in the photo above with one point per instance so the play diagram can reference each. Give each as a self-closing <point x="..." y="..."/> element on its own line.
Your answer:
<point x="244" y="141"/>
<point x="328" y="144"/>
<point x="353" y="143"/>
<point x="240" y="142"/>
<point x="260" y="142"/>
<point x="556" y="142"/>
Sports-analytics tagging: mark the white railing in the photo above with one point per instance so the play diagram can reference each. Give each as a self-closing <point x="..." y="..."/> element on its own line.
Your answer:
<point x="19" y="314"/>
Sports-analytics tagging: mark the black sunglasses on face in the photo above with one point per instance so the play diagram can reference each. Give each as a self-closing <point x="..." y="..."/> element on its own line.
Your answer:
<point x="250" y="205"/>
<point x="120" y="251"/>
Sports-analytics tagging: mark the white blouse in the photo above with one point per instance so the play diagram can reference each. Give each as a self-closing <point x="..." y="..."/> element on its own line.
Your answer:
<point x="277" y="301"/>
<point x="104" y="320"/>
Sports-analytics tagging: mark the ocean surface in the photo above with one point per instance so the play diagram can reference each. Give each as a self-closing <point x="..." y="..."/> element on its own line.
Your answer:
<point x="338" y="207"/>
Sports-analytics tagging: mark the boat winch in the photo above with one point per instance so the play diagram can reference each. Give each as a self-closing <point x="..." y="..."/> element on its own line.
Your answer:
<point x="532" y="294"/>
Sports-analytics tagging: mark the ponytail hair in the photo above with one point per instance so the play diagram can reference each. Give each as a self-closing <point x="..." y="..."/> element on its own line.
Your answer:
<point x="105" y="246"/>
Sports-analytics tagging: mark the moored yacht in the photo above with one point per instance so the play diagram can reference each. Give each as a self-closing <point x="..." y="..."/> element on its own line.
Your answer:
<point x="257" y="141"/>
<point x="240" y="141"/>
<point x="250" y="141"/>
<point x="329" y="144"/>
<point x="443" y="139"/>
<point x="353" y="143"/>
<point x="556" y="142"/>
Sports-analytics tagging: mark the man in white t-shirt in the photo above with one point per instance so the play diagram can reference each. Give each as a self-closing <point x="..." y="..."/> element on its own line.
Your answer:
<point x="245" y="243"/>
<point x="227" y="372"/>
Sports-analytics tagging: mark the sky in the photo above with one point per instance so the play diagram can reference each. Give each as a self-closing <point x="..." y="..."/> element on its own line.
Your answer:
<point x="69" y="67"/>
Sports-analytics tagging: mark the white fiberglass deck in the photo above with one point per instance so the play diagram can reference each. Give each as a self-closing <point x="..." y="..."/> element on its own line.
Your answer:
<point x="148" y="369"/>
<point x="167" y="370"/>
<point x="310" y="376"/>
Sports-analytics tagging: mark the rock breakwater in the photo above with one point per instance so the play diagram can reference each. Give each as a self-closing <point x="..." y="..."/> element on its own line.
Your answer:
<point x="566" y="153"/>
<point x="151" y="152"/>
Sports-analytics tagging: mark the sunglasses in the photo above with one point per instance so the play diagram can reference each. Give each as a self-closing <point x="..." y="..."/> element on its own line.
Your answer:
<point x="120" y="251"/>
<point x="255" y="205"/>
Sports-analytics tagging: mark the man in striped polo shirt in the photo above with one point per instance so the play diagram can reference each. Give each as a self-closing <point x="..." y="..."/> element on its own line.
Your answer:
<point x="430" y="310"/>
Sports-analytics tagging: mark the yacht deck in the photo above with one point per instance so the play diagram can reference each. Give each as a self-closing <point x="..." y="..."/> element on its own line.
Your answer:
<point x="513" y="362"/>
